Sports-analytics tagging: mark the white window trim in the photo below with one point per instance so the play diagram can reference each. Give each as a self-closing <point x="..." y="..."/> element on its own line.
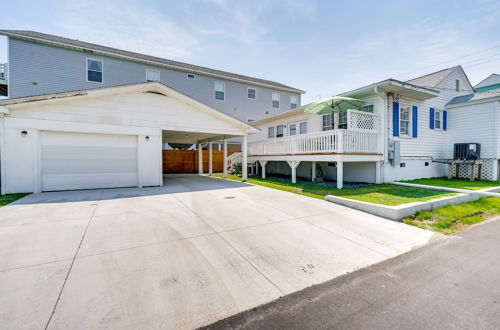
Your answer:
<point x="153" y="70"/>
<point x="87" y="70"/>
<point x="410" y="107"/>
<point x="440" y="119"/>
<point x="274" y="132"/>
<point x="285" y="128"/>
<point x="332" y="125"/>
<point x="187" y="75"/>
<point x="255" y="89"/>
<point x="369" y="104"/>
<point x="272" y="100"/>
<point x="297" y="124"/>
<point x="223" y="90"/>
<point x="296" y="103"/>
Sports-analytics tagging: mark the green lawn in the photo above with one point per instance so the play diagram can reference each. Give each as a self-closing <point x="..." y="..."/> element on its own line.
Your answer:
<point x="7" y="199"/>
<point x="453" y="218"/>
<point x="386" y="194"/>
<point x="456" y="183"/>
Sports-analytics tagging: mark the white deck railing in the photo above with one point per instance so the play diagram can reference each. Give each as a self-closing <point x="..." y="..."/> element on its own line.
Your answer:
<point x="335" y="141"/>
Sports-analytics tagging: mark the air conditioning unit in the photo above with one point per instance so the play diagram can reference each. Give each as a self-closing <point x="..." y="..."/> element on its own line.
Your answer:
<point x="467" y="151"/>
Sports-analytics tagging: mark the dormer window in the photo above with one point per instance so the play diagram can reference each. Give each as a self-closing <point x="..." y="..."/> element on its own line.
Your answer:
<point x="457" y="85"/>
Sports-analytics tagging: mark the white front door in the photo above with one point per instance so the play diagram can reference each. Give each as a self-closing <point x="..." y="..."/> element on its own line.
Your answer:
<point x="85" y="161"/>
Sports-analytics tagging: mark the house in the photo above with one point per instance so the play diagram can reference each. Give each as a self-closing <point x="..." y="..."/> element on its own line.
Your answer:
<point x="104" y="137"/>
<point x="490" y="83"/>
<point x="403" y="129"/>
<point x="41" y="64"/>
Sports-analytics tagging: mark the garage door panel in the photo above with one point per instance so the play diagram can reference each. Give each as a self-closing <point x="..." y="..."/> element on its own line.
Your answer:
<point x="85" y="161"/>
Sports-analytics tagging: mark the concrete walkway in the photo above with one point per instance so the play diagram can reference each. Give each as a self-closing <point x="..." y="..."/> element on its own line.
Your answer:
<point x="451" y="284"/>
<point x="176" y="257"/>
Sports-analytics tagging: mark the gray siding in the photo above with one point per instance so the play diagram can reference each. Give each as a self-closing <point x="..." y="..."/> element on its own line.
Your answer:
<point x="41" y="69"/>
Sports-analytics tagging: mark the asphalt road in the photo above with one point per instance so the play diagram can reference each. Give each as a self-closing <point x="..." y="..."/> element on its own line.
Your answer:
<point x="453" y="283"/>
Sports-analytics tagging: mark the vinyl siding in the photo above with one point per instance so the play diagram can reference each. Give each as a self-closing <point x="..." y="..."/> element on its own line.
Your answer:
<point x="313" y="125"/>
<point x="431" y="142"/>
<point x="475" y="124"/>
<point x="41" y="69"/>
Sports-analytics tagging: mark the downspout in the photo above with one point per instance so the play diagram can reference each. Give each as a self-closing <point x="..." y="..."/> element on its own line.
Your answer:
<point x="384" y="132"/>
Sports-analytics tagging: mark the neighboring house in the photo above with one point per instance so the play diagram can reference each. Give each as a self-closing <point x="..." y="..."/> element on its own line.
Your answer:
<point x="490" y="83"/>
<point x="403" y="128"/>
<point x="40" y="63"/>
<point x="104" y="137"/>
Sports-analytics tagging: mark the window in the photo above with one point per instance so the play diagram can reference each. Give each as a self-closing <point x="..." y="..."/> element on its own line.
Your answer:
<point x="191" y="76"/>
<point x="276" y="100"/>
<point x="368" y="108"/>
<point x="152" y="75"/>
<point x="343" y="120"/>
<point x="292" y="129"/>
<point x="303" y="128"/>
<point x="457" y="85"/>
<point x="251" y="93"/>
<point x="219" y="91"/>
<point x="279" y="131"/>
<point x="404" y="120"/>
<point x="270" y="132"/>
<point x="94" y="70"/>
<point x="328" y="122"/>
<point x="294" y="101"/>
<point x="437" y="119"/>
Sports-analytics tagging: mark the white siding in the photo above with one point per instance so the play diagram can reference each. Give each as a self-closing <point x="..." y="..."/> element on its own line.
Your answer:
<point x="431" y="142"/>
<point x="474" y="123"/>
<point x="313" y="125"/>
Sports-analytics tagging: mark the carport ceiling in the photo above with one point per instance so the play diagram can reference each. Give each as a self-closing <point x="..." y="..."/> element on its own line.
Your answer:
<point x="186" y="137"/>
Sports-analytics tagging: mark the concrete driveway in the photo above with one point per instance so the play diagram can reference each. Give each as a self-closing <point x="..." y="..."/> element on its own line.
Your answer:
<point x="180" y="256"/>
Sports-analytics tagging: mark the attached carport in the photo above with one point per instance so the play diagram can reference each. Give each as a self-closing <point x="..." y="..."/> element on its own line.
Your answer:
<point x="102" y="138"/>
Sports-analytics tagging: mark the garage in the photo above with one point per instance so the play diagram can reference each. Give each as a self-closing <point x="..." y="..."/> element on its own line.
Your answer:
<point x="108" y="137"/>
<point x="83" y="161"/>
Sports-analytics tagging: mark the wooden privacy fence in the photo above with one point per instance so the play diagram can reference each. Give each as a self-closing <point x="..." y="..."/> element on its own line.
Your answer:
<point x="186" y="161"/>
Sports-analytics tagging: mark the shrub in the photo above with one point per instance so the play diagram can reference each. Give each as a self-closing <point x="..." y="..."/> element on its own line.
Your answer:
<point x="236" y="168"/>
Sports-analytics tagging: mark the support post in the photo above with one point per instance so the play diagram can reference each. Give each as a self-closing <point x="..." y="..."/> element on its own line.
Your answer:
<point x="200" y="158"/>
<point x="340" y="175"/>
<point x="244" y="157"/>
<point x="225" y="158"/>
<point x="263" y="164"/>
<point x="293" y="165"/>
<point x="377" y="172"/>
<point x="313" y="171"/>
<point x="210" y="158"/>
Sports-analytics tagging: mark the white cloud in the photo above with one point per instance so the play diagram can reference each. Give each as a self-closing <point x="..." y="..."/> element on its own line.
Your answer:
<point x="128" y="26"/>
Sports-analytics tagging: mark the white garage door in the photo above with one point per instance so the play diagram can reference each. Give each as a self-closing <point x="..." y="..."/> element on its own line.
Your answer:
<point x="85" y="161"/>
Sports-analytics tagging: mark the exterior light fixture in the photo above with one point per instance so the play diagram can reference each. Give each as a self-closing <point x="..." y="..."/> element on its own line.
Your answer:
<point x="147" y="138"/>
<point x="24" y="133"/>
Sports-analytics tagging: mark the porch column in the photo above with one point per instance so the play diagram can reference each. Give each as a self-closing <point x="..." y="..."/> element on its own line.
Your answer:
<point x="210" y="157"/>
<point x="263" y="164"/>
<point x="377" y="172"/>
<point x="244" y="157"/>
<point x="200" y="158"/>
<point x="225" y="158"/>
<point x="293" y="165"/>
<point x="340" y="175"/>
<point x="313" y="171"/>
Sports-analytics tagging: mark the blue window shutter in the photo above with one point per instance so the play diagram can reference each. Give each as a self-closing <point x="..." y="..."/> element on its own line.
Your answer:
<point x="445" y="120"/>
<point x="395" y="119"/>
<point x="431" y="119"/>
<point x="414" y="123"/>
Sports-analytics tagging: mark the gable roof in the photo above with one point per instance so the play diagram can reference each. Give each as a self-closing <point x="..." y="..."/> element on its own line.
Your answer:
<point x="57" y="41"/>
<point x="151" y="87"/>
<point x="431" y="80"/>
<point x="492" y="79"/>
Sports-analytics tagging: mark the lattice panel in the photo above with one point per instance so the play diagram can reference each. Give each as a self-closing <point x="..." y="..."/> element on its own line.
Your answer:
<point x="361" y="120"/>
<point x="488" y="170"/>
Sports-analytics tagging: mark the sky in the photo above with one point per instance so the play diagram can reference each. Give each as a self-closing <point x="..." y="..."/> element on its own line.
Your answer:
<point x="322" y="47"/>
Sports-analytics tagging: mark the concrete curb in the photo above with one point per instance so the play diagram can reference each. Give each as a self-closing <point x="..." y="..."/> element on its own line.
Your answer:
<point x="399" y="212"/>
